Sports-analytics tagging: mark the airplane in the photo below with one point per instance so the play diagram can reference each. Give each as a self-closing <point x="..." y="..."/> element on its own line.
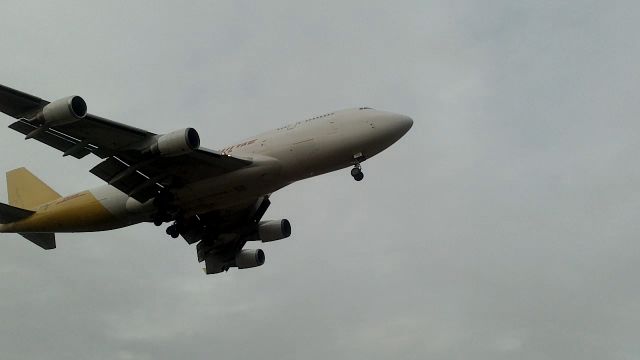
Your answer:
<point x="215" y="198"/>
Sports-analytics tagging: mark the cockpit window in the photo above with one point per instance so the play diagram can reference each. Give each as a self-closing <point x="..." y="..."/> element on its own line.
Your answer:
<point x="366" y="108"/>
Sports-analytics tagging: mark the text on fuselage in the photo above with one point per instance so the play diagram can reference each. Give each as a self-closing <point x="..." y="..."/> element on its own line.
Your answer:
<point x="237" y="146"/>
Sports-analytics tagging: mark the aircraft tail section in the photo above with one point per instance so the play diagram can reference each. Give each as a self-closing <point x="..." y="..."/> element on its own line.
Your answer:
<point x="27" y="191"/>
<point x="9" y="214"/>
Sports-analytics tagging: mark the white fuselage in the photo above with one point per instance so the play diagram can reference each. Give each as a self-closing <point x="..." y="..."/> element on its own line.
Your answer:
<point x="280" y="157"/>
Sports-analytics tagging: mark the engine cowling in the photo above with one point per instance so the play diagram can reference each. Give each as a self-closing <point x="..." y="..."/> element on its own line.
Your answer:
<point x="272" y="230"/>
<point x="64" y="111"/>
<point x="249" y="258"/>
<point x="176" y="142"/>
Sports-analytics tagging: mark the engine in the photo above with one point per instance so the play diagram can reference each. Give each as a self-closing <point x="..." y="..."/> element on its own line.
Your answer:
<point x="176" y="142"/>
<point x="64" y="111"/>
<point x="249" y="258"/>
<point x="273" y="230"/>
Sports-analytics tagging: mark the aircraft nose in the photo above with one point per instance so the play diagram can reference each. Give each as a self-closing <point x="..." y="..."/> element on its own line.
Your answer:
<point x="404" y="123"/>
<point x="397" y="125"/>
<point x="388" y="128"/>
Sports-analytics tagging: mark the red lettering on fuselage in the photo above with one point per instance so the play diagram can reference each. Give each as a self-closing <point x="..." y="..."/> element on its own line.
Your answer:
<point x="237" y="146"/>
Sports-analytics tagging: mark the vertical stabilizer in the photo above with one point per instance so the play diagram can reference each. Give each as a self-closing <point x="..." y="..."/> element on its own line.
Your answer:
<point x="27" y="191"/>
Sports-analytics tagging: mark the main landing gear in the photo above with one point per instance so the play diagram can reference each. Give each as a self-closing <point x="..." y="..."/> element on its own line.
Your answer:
<point x="166" y="212"/>
<point x="173" y="230"/>
<point x="356" y="172"/>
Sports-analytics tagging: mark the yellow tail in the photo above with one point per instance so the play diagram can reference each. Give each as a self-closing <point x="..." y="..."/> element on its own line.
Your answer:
<point x="26" y="191"/>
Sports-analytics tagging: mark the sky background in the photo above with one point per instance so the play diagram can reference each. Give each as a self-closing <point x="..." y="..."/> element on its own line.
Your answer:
<point x="503" y="225"/>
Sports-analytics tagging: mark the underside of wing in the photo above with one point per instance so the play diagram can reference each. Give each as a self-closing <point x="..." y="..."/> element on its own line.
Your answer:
<point x="137" y="162"/>
<point x="65" y="123"/>
<point x="18" y="104"/>
<point x="143" y="178"/>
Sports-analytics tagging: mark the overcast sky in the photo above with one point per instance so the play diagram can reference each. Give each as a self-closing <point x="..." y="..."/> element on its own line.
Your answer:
<point x="503" y="225"/>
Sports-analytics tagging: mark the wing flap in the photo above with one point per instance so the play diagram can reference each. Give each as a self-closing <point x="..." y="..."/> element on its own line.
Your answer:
<point x="127" y="179"/>
<point x="53" y="138"/>
<point x="109" y="168"/>
<point x="142" y="178"/>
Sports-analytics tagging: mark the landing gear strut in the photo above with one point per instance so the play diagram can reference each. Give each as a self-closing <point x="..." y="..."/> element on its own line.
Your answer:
<point x="166" y="212"/>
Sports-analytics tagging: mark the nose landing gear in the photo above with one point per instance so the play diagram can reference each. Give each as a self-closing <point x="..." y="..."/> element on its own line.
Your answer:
<point x="356" y="172"/>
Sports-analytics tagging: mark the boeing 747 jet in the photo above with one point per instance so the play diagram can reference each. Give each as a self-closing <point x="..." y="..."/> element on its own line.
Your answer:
<point x="215" y="198"/>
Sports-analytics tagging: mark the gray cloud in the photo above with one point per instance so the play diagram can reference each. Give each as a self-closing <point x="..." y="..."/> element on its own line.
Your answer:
<point x="503" y="225"/>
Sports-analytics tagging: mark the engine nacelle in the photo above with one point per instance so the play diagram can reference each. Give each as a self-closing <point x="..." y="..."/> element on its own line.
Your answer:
<point x="176" y="142"/>
<point x="273" y="230"/>
<point x="249" y="258"/>
<point x="64" y="111"/>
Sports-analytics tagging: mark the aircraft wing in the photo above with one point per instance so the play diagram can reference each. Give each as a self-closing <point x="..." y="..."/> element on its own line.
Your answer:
<point x="137" y="173"/>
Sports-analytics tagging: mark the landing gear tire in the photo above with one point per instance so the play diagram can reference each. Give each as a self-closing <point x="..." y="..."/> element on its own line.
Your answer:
<point x="157" y="222"/>
<point x="173" y="231"/>
<point x="357" y="174"/>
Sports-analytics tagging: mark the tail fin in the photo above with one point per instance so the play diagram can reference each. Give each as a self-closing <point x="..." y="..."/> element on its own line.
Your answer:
<point x="27" y="191"/>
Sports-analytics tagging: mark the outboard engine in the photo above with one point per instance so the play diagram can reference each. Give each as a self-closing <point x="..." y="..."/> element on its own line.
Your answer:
<point x="62" y="111"/>
<point x="249" y="258"/>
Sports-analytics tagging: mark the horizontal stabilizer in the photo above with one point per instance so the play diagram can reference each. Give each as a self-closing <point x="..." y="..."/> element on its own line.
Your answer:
<point x="46" y="241"/>
<point x="9" y="214"/>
